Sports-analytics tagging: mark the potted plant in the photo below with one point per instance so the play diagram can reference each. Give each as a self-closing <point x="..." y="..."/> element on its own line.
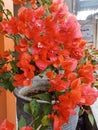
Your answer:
<point x="48" y="43"/>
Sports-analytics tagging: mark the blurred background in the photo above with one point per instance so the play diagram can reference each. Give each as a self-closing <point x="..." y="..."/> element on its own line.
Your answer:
<point x="86" y="12"/>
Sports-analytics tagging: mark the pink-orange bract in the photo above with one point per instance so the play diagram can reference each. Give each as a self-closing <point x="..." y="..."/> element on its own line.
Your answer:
<point x="6" y="125"/>
<point x="26" y="128"/>
<point x="48" y="41"/>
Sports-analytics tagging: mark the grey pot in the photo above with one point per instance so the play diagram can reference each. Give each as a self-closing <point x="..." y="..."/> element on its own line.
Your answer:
<point x="41" y="84"/>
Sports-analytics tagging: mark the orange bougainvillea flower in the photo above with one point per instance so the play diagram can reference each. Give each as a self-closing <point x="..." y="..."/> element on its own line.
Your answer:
<point x="72" y="76"/>
<point x="66" y="105"/>
<point x="6" y="125"/>
<point x="4" y="69"/>
<point x="25" y="66"/>
<point x="70" y="64"/>
<point x="26" y="128"/>
<point x="27" y="70"/>
<point x="77" y="51"/>
<point x="89" y="94"/>
<point x="42" y="65"/>
<point x="57" y="125"/>
<point x="25" y="56"/>
<point x="58" y="121"/>
<point x="22" y="46"/>
<point x="75" y="84"/>
<point x="34" y="4"/>
<point x="21" y="80"/>
<point x="19" y="1"/>
<point x="50" y="75"/>
<point x="59" y="83"/>
<point x="59" y="10"/>
<point x="86" y="73"/>
<point x="5" y="54"/>
<point x="5" y="59"/>
<point x="10" y="26"/>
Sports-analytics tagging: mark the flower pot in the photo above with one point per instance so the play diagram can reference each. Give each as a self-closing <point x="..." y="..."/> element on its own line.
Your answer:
<point x="42" y="85"/>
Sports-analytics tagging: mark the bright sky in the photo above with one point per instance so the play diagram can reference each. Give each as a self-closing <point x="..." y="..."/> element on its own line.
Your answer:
<point x="82" y="15"/>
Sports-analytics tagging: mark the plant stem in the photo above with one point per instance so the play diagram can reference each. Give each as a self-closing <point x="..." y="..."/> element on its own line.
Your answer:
<point x="33" y="121"/>
<point x="39" y="127"/>
<point x="3" y="11"/>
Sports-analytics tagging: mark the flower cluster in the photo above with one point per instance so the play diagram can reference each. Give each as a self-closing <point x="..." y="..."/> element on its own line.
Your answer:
<point x="48" y="39"/>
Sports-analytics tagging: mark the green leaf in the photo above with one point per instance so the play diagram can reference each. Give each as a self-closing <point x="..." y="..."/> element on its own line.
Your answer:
<point x="1" y="3"/>
<point x="1" y="66"/>
<point x="64" y="79"/>
<point x="7" y="85"/>
<point x="14" y="67"/>
<point x="10" y="86"/>
<point x="0" y="18"/>
<point x="1" y="8"/>
<point x="96" y="83"/>
<point x="2" y="63"/>
<point x="61" y="46"/>
<point x="27" y="108"/>
<point x="47" y="108"/>
<point x="81" y="112"/>
<point x="9" y="12"/>
<point x="48" y="2"/>
<point x="35" y="107"/>
<point x="22" y="122"/>
<point x="37" y="122"/>
<point x="43" y="128"/>
<point x="44" y="97"/>
<point x="45" y="121"/>
<point x="91" y="118"/>
<point x="6" y="75"/>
